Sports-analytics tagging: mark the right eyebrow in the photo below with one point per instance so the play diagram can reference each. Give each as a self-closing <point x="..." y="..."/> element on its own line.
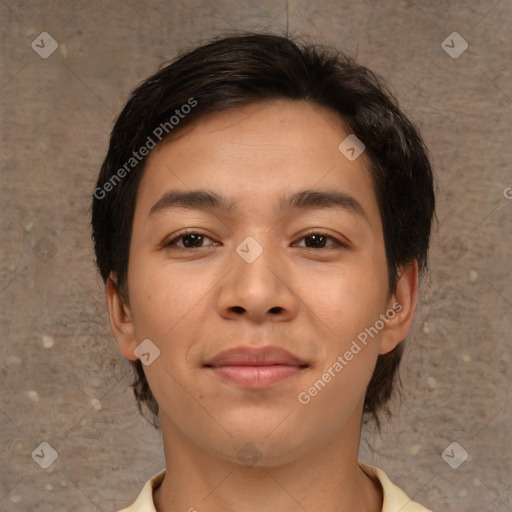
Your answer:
<point x="193" y="199"/>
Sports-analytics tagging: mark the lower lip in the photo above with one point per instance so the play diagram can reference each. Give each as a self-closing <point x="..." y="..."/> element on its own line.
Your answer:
<point x="256" y="377"/>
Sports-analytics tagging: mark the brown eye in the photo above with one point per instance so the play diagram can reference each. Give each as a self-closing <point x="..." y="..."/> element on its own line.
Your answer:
<point x="320" y="240"/>
<point x="316" y="240"/>
<point x="190" y="240"/>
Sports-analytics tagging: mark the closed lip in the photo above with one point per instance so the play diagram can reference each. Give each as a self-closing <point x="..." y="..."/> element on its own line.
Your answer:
<point x="250" y="356"/>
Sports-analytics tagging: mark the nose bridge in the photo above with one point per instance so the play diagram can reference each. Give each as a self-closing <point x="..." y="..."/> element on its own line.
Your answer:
<point x="257" y="284"/>
<point x="255" y="258"/>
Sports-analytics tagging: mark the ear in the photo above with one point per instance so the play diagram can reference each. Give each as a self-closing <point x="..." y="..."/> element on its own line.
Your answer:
<point x="120" y="319"/>
<point x="401" y="307"/>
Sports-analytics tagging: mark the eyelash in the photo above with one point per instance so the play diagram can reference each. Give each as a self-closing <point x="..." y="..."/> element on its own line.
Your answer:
<point x="170" y="244"/>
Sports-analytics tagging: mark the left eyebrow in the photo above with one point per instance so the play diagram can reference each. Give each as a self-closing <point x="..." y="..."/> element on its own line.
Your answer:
<point x="305" y="199"/>
<point x="310" y="199"/>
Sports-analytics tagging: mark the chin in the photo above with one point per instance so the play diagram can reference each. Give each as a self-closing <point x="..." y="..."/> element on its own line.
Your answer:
<point x="268" y="448"/>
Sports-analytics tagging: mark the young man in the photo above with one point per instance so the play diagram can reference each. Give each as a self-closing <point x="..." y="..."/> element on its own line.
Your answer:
<point x="261" y="220"/>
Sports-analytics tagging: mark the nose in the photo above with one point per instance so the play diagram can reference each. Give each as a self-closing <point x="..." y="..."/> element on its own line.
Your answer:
<point x="258" y="290"/>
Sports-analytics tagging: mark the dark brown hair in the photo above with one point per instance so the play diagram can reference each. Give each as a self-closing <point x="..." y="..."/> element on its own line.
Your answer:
<point x="243" y="69"/>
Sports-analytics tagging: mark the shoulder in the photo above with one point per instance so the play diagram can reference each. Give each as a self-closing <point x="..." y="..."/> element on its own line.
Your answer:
<point x="395" y="499"/>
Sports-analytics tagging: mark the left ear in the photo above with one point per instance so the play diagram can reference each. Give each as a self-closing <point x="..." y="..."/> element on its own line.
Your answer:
<point x="401" y="307"/>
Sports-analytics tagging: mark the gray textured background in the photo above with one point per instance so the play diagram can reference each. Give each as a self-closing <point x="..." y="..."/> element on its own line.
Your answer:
<point x="63" y="380"/>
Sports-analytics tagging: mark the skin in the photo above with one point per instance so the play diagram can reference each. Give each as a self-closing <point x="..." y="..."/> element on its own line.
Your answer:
<point x="193" y="303"/>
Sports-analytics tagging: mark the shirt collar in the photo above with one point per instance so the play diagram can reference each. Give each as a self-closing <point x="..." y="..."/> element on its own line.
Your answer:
<point x="394" y="499"/>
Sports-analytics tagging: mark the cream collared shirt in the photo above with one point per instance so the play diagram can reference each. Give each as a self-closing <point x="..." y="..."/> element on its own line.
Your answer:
<point x="395" y="500"/>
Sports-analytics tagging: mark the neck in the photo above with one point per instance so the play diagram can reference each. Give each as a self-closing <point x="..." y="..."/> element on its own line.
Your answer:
<point x="326" y="478"/>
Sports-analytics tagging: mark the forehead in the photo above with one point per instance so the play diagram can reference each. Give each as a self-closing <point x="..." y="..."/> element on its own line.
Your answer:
<point x="258" y="153"/>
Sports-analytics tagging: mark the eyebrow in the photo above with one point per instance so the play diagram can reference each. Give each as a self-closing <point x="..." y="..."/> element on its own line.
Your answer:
<point x="305" y="199"/>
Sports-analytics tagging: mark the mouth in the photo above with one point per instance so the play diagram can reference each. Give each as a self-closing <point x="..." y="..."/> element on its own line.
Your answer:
<point x="252" y="368"/>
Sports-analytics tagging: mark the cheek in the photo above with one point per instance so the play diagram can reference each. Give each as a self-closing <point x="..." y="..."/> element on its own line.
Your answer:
<point x="335" y="394"/>
<point x="159" y="299"/>
<point x="171" y="307"/>
<point x="346" y="302"/>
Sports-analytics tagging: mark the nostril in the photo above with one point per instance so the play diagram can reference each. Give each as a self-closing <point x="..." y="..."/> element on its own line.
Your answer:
<point x="276" y="309"/>
<point x="238" y="309"/>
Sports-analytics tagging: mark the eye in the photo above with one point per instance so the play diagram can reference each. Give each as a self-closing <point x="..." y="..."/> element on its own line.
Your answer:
<point x="191" y="240"/>
<point x="195" y="240"/>
<point x="319" y="240"/>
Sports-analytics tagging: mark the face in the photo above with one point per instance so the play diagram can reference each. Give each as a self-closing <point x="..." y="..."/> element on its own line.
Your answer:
<point x="258" y="290"/>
